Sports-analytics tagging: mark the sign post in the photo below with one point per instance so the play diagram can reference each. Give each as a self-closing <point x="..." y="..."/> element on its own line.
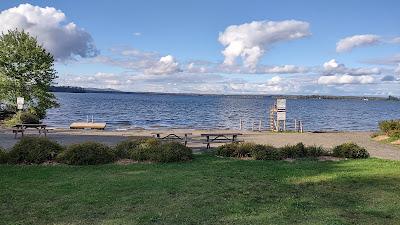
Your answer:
<point x="20" y="103"/>
<point x="281" y="113"/>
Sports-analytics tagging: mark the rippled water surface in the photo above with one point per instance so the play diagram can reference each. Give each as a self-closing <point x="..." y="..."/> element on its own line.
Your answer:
<point x="126" y="111"/>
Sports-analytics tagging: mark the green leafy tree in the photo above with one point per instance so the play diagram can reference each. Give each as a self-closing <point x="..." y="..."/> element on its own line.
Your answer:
<point x="26" y="70"/>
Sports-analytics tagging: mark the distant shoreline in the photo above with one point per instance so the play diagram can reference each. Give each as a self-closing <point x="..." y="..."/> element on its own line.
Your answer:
<point x="69" y="89"/>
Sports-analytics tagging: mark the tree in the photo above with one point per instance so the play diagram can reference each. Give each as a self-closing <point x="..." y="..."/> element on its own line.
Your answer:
<point x="26" y="70"/>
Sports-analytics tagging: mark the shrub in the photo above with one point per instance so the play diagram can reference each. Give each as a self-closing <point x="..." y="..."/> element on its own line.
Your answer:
<point x="155" y="151"/>
<point x="266" y="152"/>
<point x="34" y="150"/>
<point x="22" y="117"/>
<point x="123" y="149"/>
<point x="89" y="153"/>
<point x="389" y="126"/>
<point x="293" y="151"/>
<point x="175" y="152"/>
<point x="227" y="150"/>
<point x="350" y="150"/>
<point x="27" y="117"/>
<point x="3" y="156"/>
<point x="315" y="151"/>
<point x="244" y="149"/>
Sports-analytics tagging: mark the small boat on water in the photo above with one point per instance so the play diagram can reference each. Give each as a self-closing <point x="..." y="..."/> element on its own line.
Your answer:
<point x="365" y="99"/>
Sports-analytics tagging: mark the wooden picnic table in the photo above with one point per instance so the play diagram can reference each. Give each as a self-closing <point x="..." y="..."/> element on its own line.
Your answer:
<point x="220" y="138"/>
<point x="20" y="128"/>
<point x="172" y="136"/>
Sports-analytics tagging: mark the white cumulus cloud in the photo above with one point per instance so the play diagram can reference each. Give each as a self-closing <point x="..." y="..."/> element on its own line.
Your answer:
<point x="348" y="43"/>
<point x="63" y="40"/>
<point x="250" y="40"/>
<point x="285" y="69"/>
<point x="345" y="79"/>
<point x="332" y="67"/>
<point x="166" y="65"/>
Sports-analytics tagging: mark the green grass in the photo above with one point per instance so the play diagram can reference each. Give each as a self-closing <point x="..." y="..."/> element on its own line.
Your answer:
<point x="207" y="190"/>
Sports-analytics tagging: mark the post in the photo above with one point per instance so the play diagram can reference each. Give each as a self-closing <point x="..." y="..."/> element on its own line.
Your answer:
<point x="87" y="119"/>
<point x="252" y="125"/>
<point x="301" y="126"/>
<point x="92" y="119"/>
<point x="240" y="124"/>
<point x="259" y="125"/>
<point x="295" y="125"/>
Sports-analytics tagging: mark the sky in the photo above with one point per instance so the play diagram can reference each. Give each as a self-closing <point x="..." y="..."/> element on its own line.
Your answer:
<point x="218" y="47"/>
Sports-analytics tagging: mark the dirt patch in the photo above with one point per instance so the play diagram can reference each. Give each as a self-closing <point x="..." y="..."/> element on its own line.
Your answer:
<point x="397" y="142"/>
<point x="289" y="160"/>
<point x="329" y="158"/>
<point x="381" y="138"/>
<point x="50" y="163"/>
<point x="125" y="162"/>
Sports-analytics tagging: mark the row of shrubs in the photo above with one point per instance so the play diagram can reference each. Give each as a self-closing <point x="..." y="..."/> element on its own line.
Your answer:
<point x="267" y="152"/>
<point x="390" y="128"/>
<point x="37" y="150"/>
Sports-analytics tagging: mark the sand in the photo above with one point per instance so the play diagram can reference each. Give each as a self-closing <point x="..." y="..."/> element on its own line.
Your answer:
<point x="327" y="140"/>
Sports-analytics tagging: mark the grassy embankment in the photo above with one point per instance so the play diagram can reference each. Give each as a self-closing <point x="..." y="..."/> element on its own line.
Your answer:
<point x="207" y="190"/>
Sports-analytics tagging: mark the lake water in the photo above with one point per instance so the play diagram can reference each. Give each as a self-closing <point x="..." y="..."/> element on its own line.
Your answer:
<point x="130" y="111"/>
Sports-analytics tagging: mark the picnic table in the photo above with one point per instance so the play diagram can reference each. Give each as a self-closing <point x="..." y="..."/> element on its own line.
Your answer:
<point x="184" y="137"/>
<point x="220" y="138"/>
<point x="20" y="128"/>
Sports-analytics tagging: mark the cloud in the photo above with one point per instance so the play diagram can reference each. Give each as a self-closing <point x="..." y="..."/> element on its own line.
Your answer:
<point x="395" y="40"/>
<point x="397" y="70"/>
<point x="332" y="67"/>
<point x="345" y="79"/>
<point x="137" y="34"/>
<point x="286" y="69"/>
<point x="250" y="40"/>
<point x="64" y="40"/>
<point x="349" y="43"/>
<point x="388" y="78"/>
<point x="389" y="60"/>
<point x="166" y="65"/>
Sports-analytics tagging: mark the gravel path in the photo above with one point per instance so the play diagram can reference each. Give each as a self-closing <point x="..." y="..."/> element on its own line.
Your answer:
<point x="328" y="140"/>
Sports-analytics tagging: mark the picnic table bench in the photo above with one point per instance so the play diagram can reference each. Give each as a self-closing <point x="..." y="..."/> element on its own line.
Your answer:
<point x="220" y="138"/>
<point x="20" y="128"/>
<point x="184" y="137"/>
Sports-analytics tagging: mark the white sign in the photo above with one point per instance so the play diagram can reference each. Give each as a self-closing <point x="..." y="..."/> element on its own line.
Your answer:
<point x="281" y="115"/>
<point x="281" y="104"/>
<point x="20" y="103"/>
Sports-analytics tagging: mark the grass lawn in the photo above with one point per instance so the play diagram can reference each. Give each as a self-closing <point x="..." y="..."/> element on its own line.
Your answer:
<point x="208" y="190"/>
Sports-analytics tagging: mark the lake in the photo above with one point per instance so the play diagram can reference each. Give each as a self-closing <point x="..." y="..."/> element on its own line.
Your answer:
<point x="151" y="111"/>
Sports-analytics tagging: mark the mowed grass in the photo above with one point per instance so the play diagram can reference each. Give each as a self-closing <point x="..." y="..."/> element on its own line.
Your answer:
<point x="207" y="190"/>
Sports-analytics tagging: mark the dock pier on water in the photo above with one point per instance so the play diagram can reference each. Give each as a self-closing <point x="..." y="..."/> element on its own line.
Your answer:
<point x="277" y="120"/>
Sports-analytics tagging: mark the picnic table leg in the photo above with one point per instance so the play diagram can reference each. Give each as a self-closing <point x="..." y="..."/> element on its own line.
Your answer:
<point x="185" y="139"/>
<point x="208" y="142"/>
<point x="234" y="138"/>
<point x="45" y="132"/>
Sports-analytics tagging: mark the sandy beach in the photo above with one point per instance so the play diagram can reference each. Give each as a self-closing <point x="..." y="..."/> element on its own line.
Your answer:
<point x="327" y="140"/>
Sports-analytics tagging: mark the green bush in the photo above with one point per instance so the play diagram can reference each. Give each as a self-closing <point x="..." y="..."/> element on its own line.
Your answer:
<point x="293" y="151"/>
<point x="266" y="152"/>
<point x="22" y="117"/>
<point x="34" y="150"/>
<point x="244" y="149"/>
<point x="123" y="149"/>
<point x="315" y="151"/>
<point x="3" y="156"/>
<point x="27" y="117"/>
<point x="89" y="153"/>
<point x="389" y="126"/>
<point x="174" y="152"/>
<point x="350" y="150"/>
<point x="155" y="151"/>
<point x="227" y="150"/>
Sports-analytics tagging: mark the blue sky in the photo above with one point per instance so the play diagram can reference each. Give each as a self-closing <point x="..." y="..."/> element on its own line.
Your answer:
<point x="175" y="46"/>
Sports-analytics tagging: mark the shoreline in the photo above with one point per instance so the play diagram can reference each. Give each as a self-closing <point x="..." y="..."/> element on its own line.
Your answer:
<point x="325" y="139"/>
